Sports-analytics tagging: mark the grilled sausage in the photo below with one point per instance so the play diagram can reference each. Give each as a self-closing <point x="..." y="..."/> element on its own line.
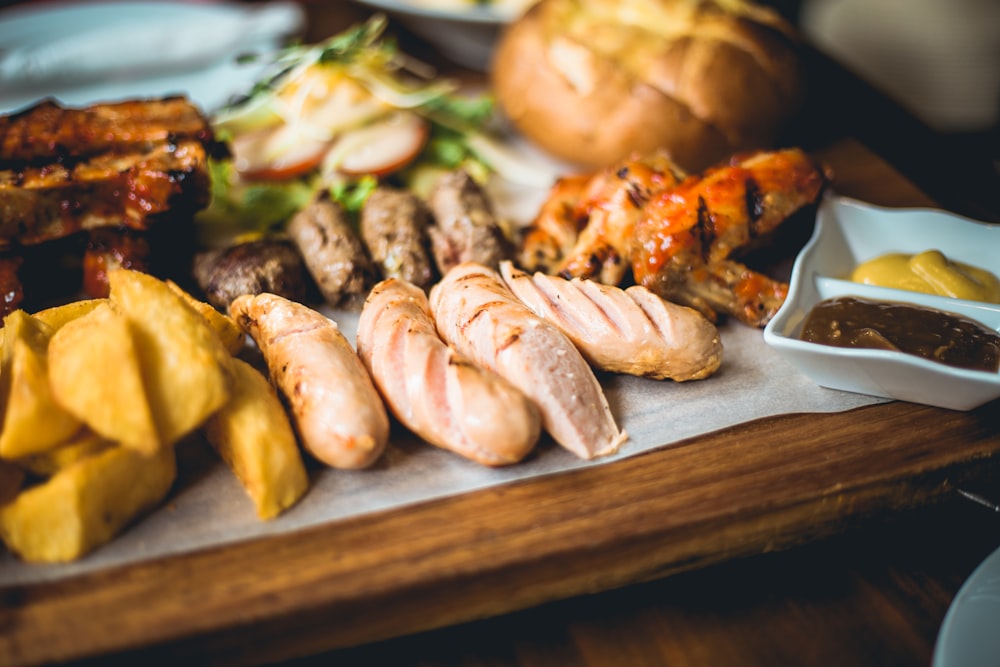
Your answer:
<point x="622" y="330"/>
<point x="435" y="391"/>
<point x="477" y="314"/>
<point x="338" y="413"/>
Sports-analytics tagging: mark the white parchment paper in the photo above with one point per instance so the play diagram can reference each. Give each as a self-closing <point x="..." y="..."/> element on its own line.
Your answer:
<point x="208" y="506"/>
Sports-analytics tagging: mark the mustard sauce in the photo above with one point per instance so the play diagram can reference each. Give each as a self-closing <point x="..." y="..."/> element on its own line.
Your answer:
<point x="884" y="325"/>
<point x="929" y="272"/>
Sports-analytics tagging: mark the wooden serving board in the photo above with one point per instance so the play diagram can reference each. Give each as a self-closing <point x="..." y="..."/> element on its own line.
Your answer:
<point x="754" y="488"/>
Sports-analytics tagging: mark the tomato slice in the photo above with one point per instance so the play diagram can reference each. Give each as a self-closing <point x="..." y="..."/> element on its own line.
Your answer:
<point x="380" y="148"/>
<point x="286" y="151"/>
<point x="279" y="152"/>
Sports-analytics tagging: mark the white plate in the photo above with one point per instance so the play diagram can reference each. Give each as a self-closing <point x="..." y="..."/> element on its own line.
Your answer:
<point x="968" y="635"/>
<point x="848" y="232"/>
<point x="83" y="53"/>
<point x="462" y="30"/>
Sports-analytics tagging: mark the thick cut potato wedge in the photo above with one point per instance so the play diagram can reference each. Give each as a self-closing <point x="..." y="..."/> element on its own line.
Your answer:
<point x="33" y="421"/>
<point x="80" y="446"/>
<point x="11" y="479"/>
<point x="57" y="316"/>
<point x="254" y="436"/>
<point x="186" y="368"/>
<point x="95" y="374"/>
<point x="86" y="505"/>
<point x="232" y="337"/>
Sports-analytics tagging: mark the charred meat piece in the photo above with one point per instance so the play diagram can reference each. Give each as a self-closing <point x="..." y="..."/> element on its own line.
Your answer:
<point x="333" y="253"/>
<point x="11" y="291"/>
<point x="136" y="170"/>
<point x="134" y="190"/>
<point x="48" y="132"/>
<point x="465" y="229"/>
<point x="394" y="230"/>
<point x="552" y="234"/>
<point x="254" y="267"/>
<point x="109" y="249"/>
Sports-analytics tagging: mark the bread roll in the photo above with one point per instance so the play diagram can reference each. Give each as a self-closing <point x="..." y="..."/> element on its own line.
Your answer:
<point x="592" y="81"/>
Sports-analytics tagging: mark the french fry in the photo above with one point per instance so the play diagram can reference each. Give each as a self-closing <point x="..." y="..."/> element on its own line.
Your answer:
<point x="254" y="436"/>
<point x="32" y="421"/>
<point x="232" y="337"/>
<point x="186" y="369"/>
<point x="94" y="372"/>
<point x="86" y="504"/>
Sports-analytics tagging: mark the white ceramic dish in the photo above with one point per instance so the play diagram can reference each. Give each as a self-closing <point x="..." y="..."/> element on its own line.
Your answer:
<point x="87" y="52"/>
<point x="968" y="635"/>
<point x="848" y="232"/>
<point x="464" y="31"/>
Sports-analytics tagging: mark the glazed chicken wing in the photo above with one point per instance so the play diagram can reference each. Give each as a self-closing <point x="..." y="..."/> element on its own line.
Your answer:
<point x="585" y="227"/>
<point x="686" y="236"/>
<point x="611" y="204"/>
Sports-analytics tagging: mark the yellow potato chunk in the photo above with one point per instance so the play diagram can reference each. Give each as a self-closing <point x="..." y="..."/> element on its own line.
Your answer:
<point x="57" y="316"/>
<point x="254" y="436"/>
<point x="33" y="421"/>
<point x="186" y="368"/>
<point x="85" y="505"/>
<point x="233" y="338"/>
<point x="95" y="374"/>
<point x="80" y="446"/>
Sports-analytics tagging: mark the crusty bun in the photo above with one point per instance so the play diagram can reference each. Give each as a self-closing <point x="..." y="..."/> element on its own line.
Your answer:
<point x="592" y="81"/>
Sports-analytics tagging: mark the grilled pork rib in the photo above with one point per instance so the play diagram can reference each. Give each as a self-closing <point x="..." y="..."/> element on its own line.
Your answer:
<point x="119" y="168"/>
<point x="48" y="132"/>
<point x="42" y="203"/>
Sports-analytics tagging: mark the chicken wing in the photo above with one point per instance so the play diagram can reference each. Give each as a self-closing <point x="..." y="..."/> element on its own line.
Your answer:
<point x="686" y="235"/>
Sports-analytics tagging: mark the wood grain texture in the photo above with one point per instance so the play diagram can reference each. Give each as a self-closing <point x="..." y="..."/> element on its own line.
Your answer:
<point x="751" y="489"/>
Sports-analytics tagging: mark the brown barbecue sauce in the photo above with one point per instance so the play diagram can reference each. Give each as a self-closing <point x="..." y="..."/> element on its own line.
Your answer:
<point x="932" y="334"/>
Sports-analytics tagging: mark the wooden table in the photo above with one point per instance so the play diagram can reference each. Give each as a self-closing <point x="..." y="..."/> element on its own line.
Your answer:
<point x="834" y="539"/>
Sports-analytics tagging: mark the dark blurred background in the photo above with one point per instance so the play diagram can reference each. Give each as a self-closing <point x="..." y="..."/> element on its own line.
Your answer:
<point x="917" y="81"/>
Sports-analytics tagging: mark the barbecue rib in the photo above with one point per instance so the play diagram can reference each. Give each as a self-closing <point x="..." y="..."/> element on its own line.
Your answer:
<point x="122" y="168"/>
<point x="49" y="132"/>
